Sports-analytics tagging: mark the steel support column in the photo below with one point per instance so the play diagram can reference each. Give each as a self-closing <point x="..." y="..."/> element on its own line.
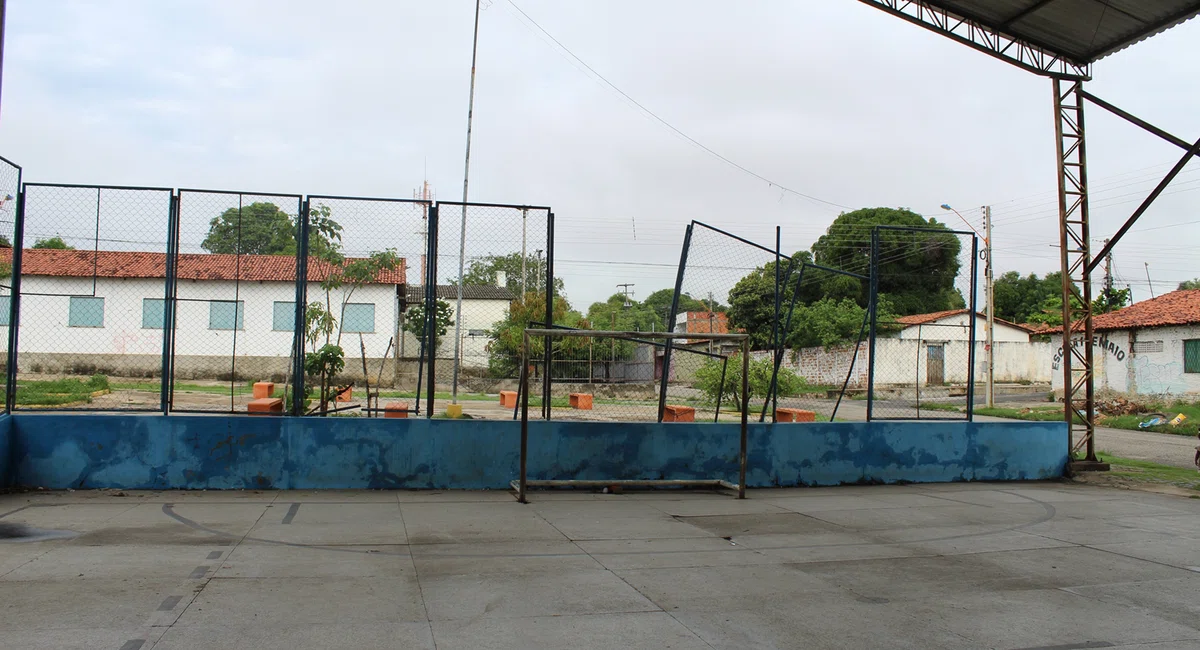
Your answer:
<point x="1079" y="404"/>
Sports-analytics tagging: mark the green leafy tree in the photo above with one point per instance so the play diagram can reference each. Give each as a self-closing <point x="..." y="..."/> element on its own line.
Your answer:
<point x="263" y="229"/>
<point x="829" y="323"/>
<point x="917" y="270"/>
<point x="482" y="271"/>
<point x="708" y="380"/>
<point x="53" y="243"/>
<point x="504" y="354"/>
<point x="414" y="323"/>
<point x="1189" y="284"/>
<point x="4" y="242"/>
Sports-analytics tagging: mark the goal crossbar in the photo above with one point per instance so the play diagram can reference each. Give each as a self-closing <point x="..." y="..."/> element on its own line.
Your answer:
<point x="521" y="485"/>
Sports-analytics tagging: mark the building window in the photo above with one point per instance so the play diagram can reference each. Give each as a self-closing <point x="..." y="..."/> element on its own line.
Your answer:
<point x="1145" y="347"/>
<point x="1191" y="355"/>
<point x="86" y="312"/>
<point x="153" y="313"/>
<point x="226" y="315"/>
<point x="284" y="317"/>
<point x="359" y="317"/>
<point x="5" y="307"/>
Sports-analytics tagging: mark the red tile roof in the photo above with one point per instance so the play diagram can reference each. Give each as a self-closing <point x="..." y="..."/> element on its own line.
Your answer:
<point x="128" y="264"/>
<point x="1175" y="308"/>
<point x="923" y="319"/>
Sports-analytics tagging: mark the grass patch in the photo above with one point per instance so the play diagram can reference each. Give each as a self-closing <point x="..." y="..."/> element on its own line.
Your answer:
<point x="1036" y="414"/>
<point x="60" y="392"/>
<point x="1146" y="472"/>
<point x="1055" y="413"/>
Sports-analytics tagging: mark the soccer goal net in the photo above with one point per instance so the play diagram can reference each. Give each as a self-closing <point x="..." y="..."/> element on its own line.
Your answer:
<point x="552" y="380"/>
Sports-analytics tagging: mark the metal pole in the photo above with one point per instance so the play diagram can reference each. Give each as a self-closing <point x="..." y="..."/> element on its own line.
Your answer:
<point x="776" y="335"/>
<point x="972" y="330"/>
<point x="303" y="233"/>
<point x="991" y="308"/>
<point x="670" y="324"/>
<point x="547" y="379"/>
<point x="3" y="16"/>
<point x="524" y="272"/>
<point x="871" y="300"/>
<point x="14" y="303"/>
<point x="168" y="322"/>
<point x="430" y="342"/>
<point x="745" y="416"/>
<point x="524" y="417"/>
<point x="462" y="233"/>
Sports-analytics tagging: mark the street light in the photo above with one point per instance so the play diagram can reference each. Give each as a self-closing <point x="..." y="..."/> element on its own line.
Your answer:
<point x="990" y="323"/>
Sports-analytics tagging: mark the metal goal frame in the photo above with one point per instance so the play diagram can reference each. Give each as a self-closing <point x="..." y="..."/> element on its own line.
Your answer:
<point x="522" y="484"/>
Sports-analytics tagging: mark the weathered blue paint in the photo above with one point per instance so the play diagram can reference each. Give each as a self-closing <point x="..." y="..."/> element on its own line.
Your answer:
<point x="6" y="458"/>
<point x="191" y="452"/>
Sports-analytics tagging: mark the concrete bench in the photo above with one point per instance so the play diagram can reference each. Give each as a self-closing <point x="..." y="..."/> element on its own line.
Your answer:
<point x="581" y="401"/>
<point x="675" y="413"/>
<point x="395" y="410"/>
<point x="264" y="389"/>
<point x="265" y="406"/>
<point x="508" y="398"/>
<point x="794" y="415"/>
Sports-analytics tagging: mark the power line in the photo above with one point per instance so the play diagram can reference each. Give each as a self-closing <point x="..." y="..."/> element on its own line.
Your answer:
<point x="667" y="124"/>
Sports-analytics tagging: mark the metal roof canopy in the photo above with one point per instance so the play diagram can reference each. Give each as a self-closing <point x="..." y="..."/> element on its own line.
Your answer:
<point x="1060" y="38"/>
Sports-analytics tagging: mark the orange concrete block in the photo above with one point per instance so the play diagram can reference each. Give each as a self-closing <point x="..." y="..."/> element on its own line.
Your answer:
<point x="794" y="415"/>
<point x="674" y="413"/>
<point x="265" y="406"/>
<point x="581" y="401"/>
<point x="395" y="410"/>
<point x="508" y="398"/>
<point x="263" y="389"/>
<point x="345" y="395"/>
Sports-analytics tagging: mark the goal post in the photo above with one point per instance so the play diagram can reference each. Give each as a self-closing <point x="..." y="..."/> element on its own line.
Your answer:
<point x="739" y="341"/>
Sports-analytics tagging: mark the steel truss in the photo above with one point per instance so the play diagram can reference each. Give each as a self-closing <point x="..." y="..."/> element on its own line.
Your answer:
<point x="978" y="36"/>
<point x="1079" y="402"/>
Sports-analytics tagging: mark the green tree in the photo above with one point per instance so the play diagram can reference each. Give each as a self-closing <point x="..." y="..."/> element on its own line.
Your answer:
<point x="504" y="355"/>
<point x="54" y="243"/>
<point x="263" y="229"/>
<point x="708" y="380"/>
<point x="414" y="323"/>
<point x="1189" y="284"/>
<point x="659" y="303"/>
<point x="829" y="323"/>
<point x="482" y="271"/>
<point x="917" y="270"/>
<point x="4" y="242"/>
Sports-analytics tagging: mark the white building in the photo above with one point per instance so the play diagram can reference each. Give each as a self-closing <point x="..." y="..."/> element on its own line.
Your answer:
<point x="1149" y="348"/>
<point x="84" y="312"/>
<point x="955" y="325"/>
<point x="483" y="306"/>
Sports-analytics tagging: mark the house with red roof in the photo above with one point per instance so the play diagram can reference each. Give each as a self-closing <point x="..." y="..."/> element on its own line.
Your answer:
<point x="955" y="325"/>
<point x="87" y="311"/>
<point x="1148" y="348"/>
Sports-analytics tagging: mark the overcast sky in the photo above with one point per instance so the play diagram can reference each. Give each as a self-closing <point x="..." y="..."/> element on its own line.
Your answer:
<point x="834" y="99"/>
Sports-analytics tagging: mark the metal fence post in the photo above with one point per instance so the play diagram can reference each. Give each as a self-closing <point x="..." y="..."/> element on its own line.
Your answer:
<point x="524" y="415"/>
<point x="745" y="416"/>
<point x="167" y="374"/>
<point x="431" y="307"/>
<point x="547" y="354"/>
<point x="14" y="314"/>
<point x="971" y="348"/>
<point x="303" y="225"/>
<point x="670" y="324"/>
<point x="872" y="307"/>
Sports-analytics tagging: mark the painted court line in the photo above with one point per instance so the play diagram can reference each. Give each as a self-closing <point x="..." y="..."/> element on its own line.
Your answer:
<point x="169" y="603"/>
<point x="215" y="555"/>
<point x="291" y="513"/>
<point x="198" y="572"/>
<point x="133" y="644"/>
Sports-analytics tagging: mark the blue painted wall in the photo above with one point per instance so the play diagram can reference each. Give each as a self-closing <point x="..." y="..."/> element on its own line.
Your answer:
<point x="6" y="458"/>
<point x="130" y="451"/>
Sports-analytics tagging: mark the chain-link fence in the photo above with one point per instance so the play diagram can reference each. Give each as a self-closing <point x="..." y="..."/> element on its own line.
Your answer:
<point x="922" y="364"/>
<point x="725" y="284"/>
<point x="505" y="255"/>
<point x="367" y="267"/>
<point x="10" y="189"/>
<point x="234" y="316"/>
<point x="93" y="289"/>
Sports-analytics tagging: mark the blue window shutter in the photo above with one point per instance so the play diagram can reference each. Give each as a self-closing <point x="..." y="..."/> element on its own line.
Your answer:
<point x="153" y="313"/>
<point x="86" y="311"/>
<point x="359" y="317"/>
<point x="5" y="306"/>
<point x="284" y="316"/>
<point x="225" y="315"/>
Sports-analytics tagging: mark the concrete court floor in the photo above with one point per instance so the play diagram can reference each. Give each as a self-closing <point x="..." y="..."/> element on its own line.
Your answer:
<point x="965" y="565"/>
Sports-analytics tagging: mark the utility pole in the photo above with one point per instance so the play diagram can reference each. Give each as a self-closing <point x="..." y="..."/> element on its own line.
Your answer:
<point x="462" y="235"/>
<point x="539" y="268"/>
<point x="991" y="306"/>
<point x="1108" y="278"/>
<point x="625" y="290"/>
<point x="1148" y="281"/>
<point x="524" y="272"/>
